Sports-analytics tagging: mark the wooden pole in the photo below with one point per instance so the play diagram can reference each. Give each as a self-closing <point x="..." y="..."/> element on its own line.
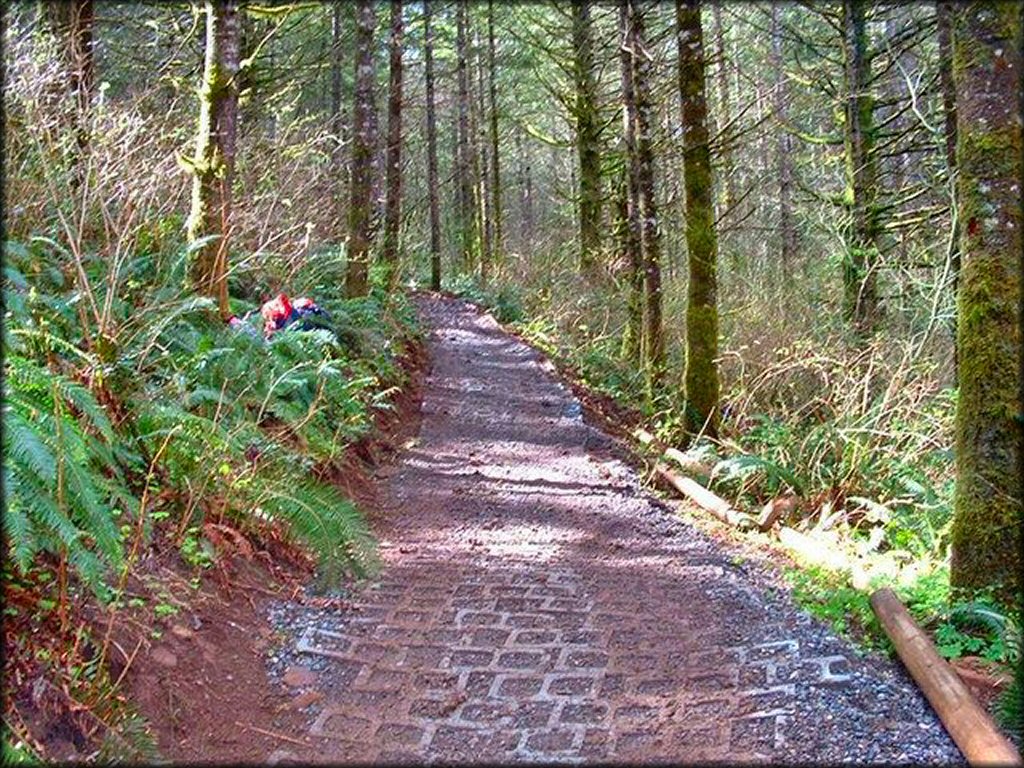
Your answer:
<point x="704" y="498"/>
<point x="967" y="723"/>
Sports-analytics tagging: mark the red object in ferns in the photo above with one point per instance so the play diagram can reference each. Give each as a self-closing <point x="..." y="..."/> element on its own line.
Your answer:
<point x="276" y="313"/>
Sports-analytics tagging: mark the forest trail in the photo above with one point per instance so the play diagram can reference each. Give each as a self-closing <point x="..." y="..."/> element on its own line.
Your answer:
<point x="536" y="604"/>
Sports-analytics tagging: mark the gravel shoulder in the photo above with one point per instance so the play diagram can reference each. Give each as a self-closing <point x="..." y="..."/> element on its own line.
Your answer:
<point x="538" y="604"/>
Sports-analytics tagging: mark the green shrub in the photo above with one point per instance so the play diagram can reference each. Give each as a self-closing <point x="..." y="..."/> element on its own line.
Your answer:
<point x="222" y="422"/>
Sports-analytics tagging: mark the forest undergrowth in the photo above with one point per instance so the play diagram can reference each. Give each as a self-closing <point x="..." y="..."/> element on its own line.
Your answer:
<point x="171" y="431"/>
<point x="141" y="429"/>
<point x="138" y="425"/>
<point x="857" y="435"/>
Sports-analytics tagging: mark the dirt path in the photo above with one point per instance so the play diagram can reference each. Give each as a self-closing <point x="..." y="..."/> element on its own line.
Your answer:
<point x="537" y="604"/>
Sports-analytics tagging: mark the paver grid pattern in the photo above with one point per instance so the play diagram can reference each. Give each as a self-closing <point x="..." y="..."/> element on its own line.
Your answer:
<point x="536" y="605"/>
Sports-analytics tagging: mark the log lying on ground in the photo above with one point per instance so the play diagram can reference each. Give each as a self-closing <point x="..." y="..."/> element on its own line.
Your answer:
<point x="686" y="463"/>
<point x="691" y="489"/>
<point x="775" y="510"/>
<point x="704" y="498"/>
<point x="967" y="723"/>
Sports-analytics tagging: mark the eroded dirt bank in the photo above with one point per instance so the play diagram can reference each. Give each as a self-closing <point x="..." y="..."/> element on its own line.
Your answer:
<point x="537" y="604"/>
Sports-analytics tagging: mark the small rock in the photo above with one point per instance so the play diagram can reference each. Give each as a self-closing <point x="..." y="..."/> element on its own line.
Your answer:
<point x="163" y="657"/>
<point x="180" y="630"/>
<point x="296" y="677"/>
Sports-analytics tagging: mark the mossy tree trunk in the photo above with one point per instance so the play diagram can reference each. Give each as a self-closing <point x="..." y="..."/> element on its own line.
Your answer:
<point x="393" y="162"/>
<point x="701" y="373"/>
<point x="463" y="138"/>
<point x="432" y="181"/>
<point x="525" y="174"/>
<point x="364" y="138"/>
<point x="481" y="164"/>
<point x="653" y="347"/>
<point x="986" y="535"/>
<point x="860" y="261"/>
<point x="588" y="136"/>
<point x="630" y="196"/>
<point x="213" y="166"/>
<point x="337" y="112"/>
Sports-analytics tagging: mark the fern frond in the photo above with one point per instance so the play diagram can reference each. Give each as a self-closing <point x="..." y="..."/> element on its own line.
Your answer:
<point x="20" y="532"/>
<point x="94" y="517"/>
<point x="23" y="444"/>
<point x="326" y="522"/>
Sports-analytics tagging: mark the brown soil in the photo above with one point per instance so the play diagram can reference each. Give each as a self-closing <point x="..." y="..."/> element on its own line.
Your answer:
<point x="203" y="685"/>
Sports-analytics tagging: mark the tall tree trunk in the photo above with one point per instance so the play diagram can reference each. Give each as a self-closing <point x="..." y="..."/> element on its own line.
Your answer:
<point x="783" y="153"/>
<point x="464" y="168"/>
<point x="213" y="166"/>
<point x="364" y="139"/>
<point x="393" y="202"/>
<point x="986" y="534"/>
<point x="945" y="27"/>
<point x="526" y="194"/>
<point x="432" y="180"/>
<point x="701" y="375"/>
<point x="337" y="113"/>
<point x="653" y="340"/>
<point x="495" y="159"/>
<point x="588" y="136"/>
<point x="632" y="343"/>
<point x="860" y="268"/>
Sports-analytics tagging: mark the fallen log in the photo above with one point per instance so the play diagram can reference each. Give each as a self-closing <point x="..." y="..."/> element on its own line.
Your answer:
<point x="967" y="723"/>
<point x="774" y="511"/>
<point x="688" y="464"/>
<point x="704" y="498"/>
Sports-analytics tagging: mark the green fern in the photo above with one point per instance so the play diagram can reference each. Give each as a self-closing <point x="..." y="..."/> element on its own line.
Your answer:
<point x="1001" y="625"/>
<point x="62" y="488"/>
<point x="749" y="468"/>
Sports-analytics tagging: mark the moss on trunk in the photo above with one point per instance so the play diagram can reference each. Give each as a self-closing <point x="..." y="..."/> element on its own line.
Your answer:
<point x="986" y="534"/>
<point x="393" y="183"/>
<point x="630" y="200"/>
<point x="860" y="263"/>
<point x="701" y="375"/>
<point x="213" y="165"/>
<point x="364" y="138"/>
<point x="588" y="133"/>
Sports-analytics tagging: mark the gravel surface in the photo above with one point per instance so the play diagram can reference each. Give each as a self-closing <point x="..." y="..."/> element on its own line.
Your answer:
<point x="538" y="604"/>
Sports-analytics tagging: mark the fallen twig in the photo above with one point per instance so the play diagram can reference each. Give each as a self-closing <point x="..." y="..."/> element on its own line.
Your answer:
<point x="276" y="735"/>
<point x="130" y="659"/>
